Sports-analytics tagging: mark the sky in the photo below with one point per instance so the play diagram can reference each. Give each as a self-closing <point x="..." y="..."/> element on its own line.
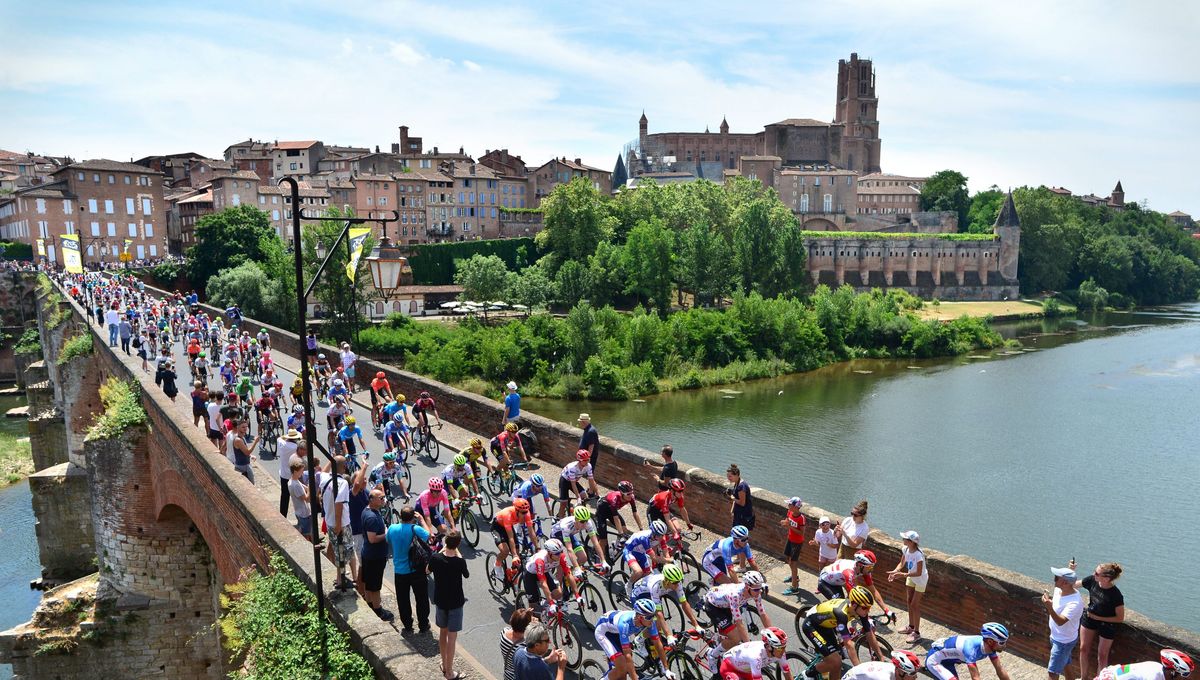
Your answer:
<point x="1067" y="93"/>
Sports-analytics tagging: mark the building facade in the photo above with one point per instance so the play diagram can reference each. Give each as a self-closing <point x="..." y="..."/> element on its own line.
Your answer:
<point x="883" y="194"/>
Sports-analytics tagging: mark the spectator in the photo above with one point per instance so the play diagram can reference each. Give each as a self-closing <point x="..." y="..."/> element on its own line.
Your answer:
<point x="1105" y="611"/>
<point x="125" y="329"/>
<point x="853" y="531"/>
<point x="794" y="522"/>
<point x="142" y="345"/>
<point x="410" y="582"/>
<point x="287" y="447"/>
<point x="199" y="403"/>
<point x="826" y="538"/>
<point x="374" y="554"/>
<point x="742" y="506"/>
<point x="668" y="470"/>
<point x="214" y="419"/>
<point x="912" y="569"/>
<point x="340" y="540"/>
<point x="243" y="453"/>
<point x="448" y="569"/>
<point x="531" y="660"/>
<point x="512" y="404"/>
<point x="513" y="636"/>
<point x="113" y="318"/>
<point x="590" y="440"/>
<point x="348" y="359"/>
<point x="359" y="499"/>
<point x="167" y="376"/>
<point x="300" y="501"/>
<point x="1065" y="608"/>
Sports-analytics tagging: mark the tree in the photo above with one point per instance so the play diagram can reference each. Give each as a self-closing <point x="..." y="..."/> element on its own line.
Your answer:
<point x="530" y="287"/>
<point x="947" y="190"/>
<point x="571" y="283"/>
<point x="227" y="239"/>
<point x="647" y="258"/>
<point x="768" y="255"/>
<point x="279" y="265"/>
<point x="250" y="288"/>
<point x="483" y="277"/>
<point x="702" y="266"/>
<point x="981" y="216"/>
<point x="342" y="299"/>
<point x="576" y="220"/>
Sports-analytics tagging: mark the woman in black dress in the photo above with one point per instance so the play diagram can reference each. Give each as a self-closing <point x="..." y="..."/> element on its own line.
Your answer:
<point x="1104" y="614"/>
<point x="167" y="375"/>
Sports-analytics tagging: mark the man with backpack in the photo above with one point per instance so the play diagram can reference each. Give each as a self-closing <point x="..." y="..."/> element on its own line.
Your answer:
<point x="410" y="555"/>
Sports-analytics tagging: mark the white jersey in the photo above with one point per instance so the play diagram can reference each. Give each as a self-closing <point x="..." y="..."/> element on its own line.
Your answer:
<point x="654" y="587"/>
<point x="1146" y="670"/>
<point x="871" y="670"/>
<point x="750" y="657"/>
<point x="576" y="471"/>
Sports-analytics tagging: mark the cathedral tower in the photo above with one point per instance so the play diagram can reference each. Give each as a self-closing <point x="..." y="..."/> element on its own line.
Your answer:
<point x="857" y="109"/>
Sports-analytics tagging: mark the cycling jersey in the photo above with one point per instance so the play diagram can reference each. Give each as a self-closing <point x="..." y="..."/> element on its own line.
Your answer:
<point x="381" y="386"/>
<point x="576" y="471"/>
<point x="296" y="422"/>
<point x="662" y="501"/>
<point x="474" y="455"/>
<point x="394" y="429"/>
<point x="642" y="542"/>
<point x="348" y="432"/>
<point x="654" y="587"/>
<point x="541" y="564"/>
<point x="425" y="404"/>
<point x="732" y="596"/>
<point x="391" y="408"/>
<point x="1146" y="670"/>
<point x="719" y="556"/>
<point x="453" y="475"/>
<point x="381" y="472"/>
<point x="616" y="500"/>
<point x="336" y="392"/>
<point x="504" y="440"/>
<point x="871" y="670"/>
<point x="336" y="412"/>
<point x="526" y="491"/>
<point x="616" y="629"/>
<point x="298" y="389"/>
<point x="844" y="573"/>
<point x="571" y="532"/>
<point x="747" y="660"/>
<point x="835" y="615"/>
<point x="427" y="502"/>
<point x="508" y="518"/>
<point x="265" y="404"/>
<point x="946" y="653"/>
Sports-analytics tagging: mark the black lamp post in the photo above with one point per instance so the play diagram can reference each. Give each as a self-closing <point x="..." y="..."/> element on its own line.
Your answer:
<point x="310" y="430"/>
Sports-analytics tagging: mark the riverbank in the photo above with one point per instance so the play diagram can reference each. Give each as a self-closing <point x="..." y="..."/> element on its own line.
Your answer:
<point x="1004" y="310"/>
<point x="16" y="460"/>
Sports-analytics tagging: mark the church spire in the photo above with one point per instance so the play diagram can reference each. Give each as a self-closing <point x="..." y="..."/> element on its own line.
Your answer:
<point x="724" y="126"/>
<point x="1008" y="213"/>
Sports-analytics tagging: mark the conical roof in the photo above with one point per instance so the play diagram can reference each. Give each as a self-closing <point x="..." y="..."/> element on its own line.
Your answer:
<point x="1008" y="214"/>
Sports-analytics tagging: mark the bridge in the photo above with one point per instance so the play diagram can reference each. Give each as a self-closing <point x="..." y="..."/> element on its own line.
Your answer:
<point x="155" y="523"/>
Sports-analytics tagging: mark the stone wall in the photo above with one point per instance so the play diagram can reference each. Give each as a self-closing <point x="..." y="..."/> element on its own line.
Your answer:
<point x="66" y="545"/>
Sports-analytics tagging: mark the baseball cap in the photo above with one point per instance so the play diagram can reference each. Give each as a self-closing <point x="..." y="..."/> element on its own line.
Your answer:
<point x="795" y="502"/>
<point x="823" y="520"/>
<point x="911" y="535"/>
<point x="1063" y="572"/>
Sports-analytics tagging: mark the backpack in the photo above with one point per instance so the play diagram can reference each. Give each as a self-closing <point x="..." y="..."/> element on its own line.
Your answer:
<point x="419" y="553"/>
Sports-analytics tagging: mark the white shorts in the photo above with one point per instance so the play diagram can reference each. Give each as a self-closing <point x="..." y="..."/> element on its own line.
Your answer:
<point x="609" y="643"/>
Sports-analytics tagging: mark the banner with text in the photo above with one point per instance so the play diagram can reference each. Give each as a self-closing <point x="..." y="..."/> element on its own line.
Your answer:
<point x="72" y="259"/>
<point x="128" y="242"/>
<point x="41" y="247"/>
<point x="358" y="237"/>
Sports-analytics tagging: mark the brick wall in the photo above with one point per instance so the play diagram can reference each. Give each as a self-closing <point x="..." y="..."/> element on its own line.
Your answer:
<point x="64" y="522"/>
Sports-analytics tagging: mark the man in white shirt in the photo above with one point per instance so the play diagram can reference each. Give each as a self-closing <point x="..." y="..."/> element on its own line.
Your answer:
<point x="113" y="318"/>
<point x="1065" y="608"/>
<point x="340" y="537"/>
<point x="287" y="446"/>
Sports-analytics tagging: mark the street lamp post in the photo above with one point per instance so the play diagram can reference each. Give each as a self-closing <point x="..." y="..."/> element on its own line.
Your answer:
<point x="310" y="431"/>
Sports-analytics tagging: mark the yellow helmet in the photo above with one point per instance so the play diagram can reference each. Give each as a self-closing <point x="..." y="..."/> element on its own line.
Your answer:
<point x="861" y="596"/>
<point x="476" y="442"/>
<point x="510" y="427"/>
<point x="350" y="420"/>
<point x="399" y="397"/>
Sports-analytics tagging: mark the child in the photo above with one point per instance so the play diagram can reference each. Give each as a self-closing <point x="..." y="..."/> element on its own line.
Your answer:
<point x="828" y="541"/>
<point x="795" y="522"/>
<point x="912" y="569"/>
<point x="299" y="497"/>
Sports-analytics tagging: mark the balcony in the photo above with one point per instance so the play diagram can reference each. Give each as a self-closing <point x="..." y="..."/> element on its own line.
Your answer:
<point x="439" y="232"/>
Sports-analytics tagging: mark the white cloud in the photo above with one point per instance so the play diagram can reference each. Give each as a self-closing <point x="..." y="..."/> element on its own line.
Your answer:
<point x="471" y="66"/>
<point x="347" y="46"/>
<point x="405" y="54"/>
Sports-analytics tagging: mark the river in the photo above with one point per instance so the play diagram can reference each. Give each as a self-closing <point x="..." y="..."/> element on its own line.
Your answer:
<point x="1084" y="446"/>
<point x="20" y="563"/>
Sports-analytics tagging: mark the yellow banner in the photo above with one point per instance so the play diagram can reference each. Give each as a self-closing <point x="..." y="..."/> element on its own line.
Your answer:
<point x="128" y="242"/>
<point x="41" y="247"/>
<point x="72" y="260"/>
<point x="358" y="237"/>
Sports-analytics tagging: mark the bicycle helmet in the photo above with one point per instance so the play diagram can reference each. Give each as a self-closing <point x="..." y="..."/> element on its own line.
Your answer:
<point x="252" y="341"/>
<point x="861" y="596"/>
<point x="460" y="460"/>
<point x="510" y="427"/>
<point x="538" y="480"/>
<point x="380" y="375"/>
<point x="321" y="357"/>
<point x="583" y="455"/>
<point x="435" y="484"/>
<point x="583" y="514"/>
<point x="398" y="418"/>
<point x="740" y="532"/>
<point x="658" y="528"/>
<point x="994" y="631"/>
<point x="753" y="579"/>
<point x="672" y="574"/>
<point x="865" y="558"/>
<point x="350" y="420"/>
<point x="554" y="546"/>
<point x="337" y="382"/>
<point x="774" y="638"/>
<point x="279" y="384"/>
<point x="1177" y="661"/>
<point x="267" y="354"/>
<point x="424" y="395"/>
<point x="625" y="487"/>
<point x="202" y="355"/>
<point x="678" y="485"/>
<point x="644" y="606"/>
<point x="907" y="662"/>
<point x="476" y="442"/>
<point x="389" y="456"/>
<point x="400" y="398"/>
<point x="520" y="504"/>
<point x="298" y="409"/>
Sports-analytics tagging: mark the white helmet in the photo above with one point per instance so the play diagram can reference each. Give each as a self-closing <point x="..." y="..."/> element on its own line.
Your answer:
<point x="554" y="546"/>
<point x="337" y="383"/>
<point x="753" y="579"/>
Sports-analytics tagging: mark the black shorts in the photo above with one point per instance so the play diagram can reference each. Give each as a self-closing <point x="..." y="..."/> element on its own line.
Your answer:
<point x="830" y="591"/>
<point x="604" y="515"/>
<point x="1105" y="629"/>
<point x="564" y="489"/>
<point x="372" y="573"/>
<point x="214" y="435"/>
<point x="653" y="513"/>
<point x="792" y="550"/>
<point x="824" y="640"/>
<point x="532" y="590"/>
<point x="500" y="534"/>
<point x="721" y="617"/>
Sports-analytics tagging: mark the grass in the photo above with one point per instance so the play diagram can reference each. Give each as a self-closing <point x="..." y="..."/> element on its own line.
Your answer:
<point x="946" y="311"/>
<point x="78" y="346"/>
<point x="16" y="458"/>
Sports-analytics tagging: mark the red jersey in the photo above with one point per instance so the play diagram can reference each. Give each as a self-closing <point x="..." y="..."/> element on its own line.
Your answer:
<point x="616" y="500"/>
<point x="796" y="522"/>
<point x="662" y="501"/>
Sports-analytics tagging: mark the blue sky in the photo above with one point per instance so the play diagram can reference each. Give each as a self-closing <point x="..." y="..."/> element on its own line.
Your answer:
<point x="1077" y="94"/>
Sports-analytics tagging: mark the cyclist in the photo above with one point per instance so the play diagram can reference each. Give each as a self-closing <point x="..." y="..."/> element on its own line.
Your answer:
<point x="723" y="606"/>
<point x="608" y="510"/>
<point x="228" y="374"/>
<point x="534" y="486"/>
<point x="659" y="507"/>
<point x="193" y="351"/>
<point x="264" y="339"/>
<point x="458" y="476"/>
<point x="265" y="409"/>
<point x="396" y="405"/>
<point x="421" y="408"/>
<point x="904" y="666"/>
<point x="321" y="371"/>
<point x="504" y="531"/>
<point x="387" y="473"/>
<point x="667" y="584"/>
<point x="475" y="454"/>
<point x="297" y="390"/>
<point x="827" y="628"/>
<point x="200" y="367"/>
<point x="718" y="561"/>
<point x="296" y="420"/>
<point x="381" y="394"/>
<point x="838" y="578"/>
<point x="505" y="444"/>
<point x="338" y="389"/>
<point x="395" y="434"/>
<point x="747" y="660"/>
<point x="946" y="653"/>
<point x="335" y="413"/>
<point x="577" y="531"/>
<point x="434" y="504"/>
<point x="568" y="481"/>
<point x="244" y="387"/>
<point x="346" y="435"/>
<point x="615" y="632"/>
<point x="544" y="569"/>
<point x="265" y="362"/>
<point x="645" y="549"/>
<point x="1171" y="664"/>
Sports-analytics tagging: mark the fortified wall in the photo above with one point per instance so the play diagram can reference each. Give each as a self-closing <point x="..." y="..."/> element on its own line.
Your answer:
<point x="967" y="593"/>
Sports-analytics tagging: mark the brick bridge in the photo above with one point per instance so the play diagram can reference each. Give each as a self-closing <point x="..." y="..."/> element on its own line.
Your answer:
<point x="165" y="523"/>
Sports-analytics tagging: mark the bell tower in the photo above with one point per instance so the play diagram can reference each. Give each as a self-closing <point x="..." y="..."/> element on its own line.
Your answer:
<point x="857" y="110"/>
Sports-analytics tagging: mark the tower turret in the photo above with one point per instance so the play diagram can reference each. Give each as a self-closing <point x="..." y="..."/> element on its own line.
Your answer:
<point x="724" y="126"/>
<point x="1117" y="199"/>
<point x="1008" y="228"/>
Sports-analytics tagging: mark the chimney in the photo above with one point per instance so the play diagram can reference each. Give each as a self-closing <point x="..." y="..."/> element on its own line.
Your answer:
<point x="577" y="162"/>
<point x="395" y="147"/>
<point x="472" y="168"/>
<point x="435" y="151"/>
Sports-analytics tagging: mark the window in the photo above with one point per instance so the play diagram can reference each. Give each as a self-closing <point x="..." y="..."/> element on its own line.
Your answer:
<point x="67" y="207"/>
<point x="262" y="200"/>
<point x="275" y="214"/>
<point x="114" y="251"/>
<point x="112" y="179"/>
<point x="291" y="166"/>
<point x="153" y="250"/>
<point x="129" y="209"/>
<point x="274" y="200"/>
<point x="369" y="200"/>
<point x="828" y="207"/>
<point x="816" y="181"/>
<point x="82" y="176"/>
<point x="41" y="206"/>
<point x="493" y="212"/>
<point x="143" y="181"/>
<point x="127" y="180"/>
<point x="237" y="199"/>
<point x="96" y="177"/>
<point x="141" y="253"/>
<point x="146" y="206"/>
<point x="849" y="182"/>
<point x="149" y="230"/>
<point x="804" y="203"/>
<point x="95" y="228"/>
<point x="108" y="206"/>
<point x="92" y="205"/>
<point x="132" y="230"/>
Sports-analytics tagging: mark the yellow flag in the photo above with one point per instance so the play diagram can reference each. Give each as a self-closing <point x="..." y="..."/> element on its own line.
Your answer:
<point x="41" y="247"/>
<point x="128" y="242"/>
<point x="72" y="259"/>
<point x="358" y="237"/>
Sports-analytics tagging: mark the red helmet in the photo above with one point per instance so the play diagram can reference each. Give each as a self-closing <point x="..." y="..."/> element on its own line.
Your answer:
<point x="865" y="558"/>
<point x="678" y="485"/>
<point x="625" y="487"/>
<point x="1177" y="661"/>
<point x="774" y="638"/>
<point x="380" y="375"/>
<point x="435" y="484"/>
<point x="583" y="455"/>
<point x="279" y="383"/>
<point x="521" y="505"/>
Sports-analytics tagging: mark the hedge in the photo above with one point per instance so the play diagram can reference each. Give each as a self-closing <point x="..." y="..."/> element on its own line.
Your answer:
<point x="895" y="236"/>
<point x="433" y="263"/>
<point x="17" y="250"/>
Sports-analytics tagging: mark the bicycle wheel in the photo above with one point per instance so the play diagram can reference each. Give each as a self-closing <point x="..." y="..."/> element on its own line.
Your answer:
<point x="592" y="670"/>
<point x="564" y="636"/>
<point x="496" y="486"/>
<point x="800" y="614"/>
<point x="470" y="527"/>
<point x="695" y="592"/>
<point x="685" y="667"/>
<point x="618" y="590"/>
<point x="495" y="583"/>
<point x="689" y="564"/>
<point x="752" y="619"/>
<point x="673" y="615"/>
<point x="406" y="473"/>
<point x="796" y="662"/>
<point x="433" y="447"/>
<point x="485" y="507"/>
<point x="864" y="649"/>
<point x="593" y="605"/>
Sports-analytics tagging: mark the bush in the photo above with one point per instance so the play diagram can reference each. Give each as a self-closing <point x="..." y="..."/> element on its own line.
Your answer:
<point x="29" y="343"/>
<point x="602" y="380"/>
<point x="78" y="346"/>
<point x="433" y="264"/>
<point x="15" y="250"/>
<point x="1052" y="308"/>
<point x="122" y="410"/>
<point x="1091" y="296"/>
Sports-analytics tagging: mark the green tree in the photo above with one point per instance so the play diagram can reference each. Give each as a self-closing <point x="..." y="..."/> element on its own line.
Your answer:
<point x="342" y="299"/>
<point x="947" y="190"/>
<point x="647" y="257"/>
<point x="981" y="216"/>
<point x="768" y="254"/>
<point x="280" y="267"/>
<point x="702" y="265"/>
<point x="227" y="239"/>
<point x="483" y="277"/>
<point x="530" y="287"/>
<point x="1108" y="262"/>
<point x="248" y="286"/>
<point x="576" y="220"/>
<point x="1091" y="296"/>
<point x="571" y="283"/>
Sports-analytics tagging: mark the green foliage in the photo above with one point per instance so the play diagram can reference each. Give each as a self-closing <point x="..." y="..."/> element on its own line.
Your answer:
<point x="602" y="379"/>
<point x="981" y="216"/>
<point x="16" y="250"/>
<point x="433" y="264"/>
<point x="29" y="342"/>
<point x="577" y="220"/>
<point x="259" y="295"/>
<point x="1091" y="296"/>
<point x="1052" y="308"/>
<point x="122" y="410"/>
<point x="272" y="620"/>
<point x="227" y="239"/>
<point x="78" y="346"/>
<point x="647" y="258"/>
<point x="342" y="299"/>
<point x="60" y="311"/>
<point x="167" y="272"/>
<point x="483" y="278"/>
<point x="892" y="236"/>
<point x="531" y="287"/>
<point x="947" y="190"/>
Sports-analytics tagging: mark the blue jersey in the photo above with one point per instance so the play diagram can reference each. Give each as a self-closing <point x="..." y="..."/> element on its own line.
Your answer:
<point x="296" y="423"/>
<point x="622" y="623"/>
<point x="347" y="433"/>
<point x="391" y="408"/>
<point x="727" y="551"/>
<point x="526" y="491"/>
<point x="337" y="392"/>
<point x="394" y="429"/>
<point x="640" y="542"/>
<point x="956" y="649"/>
